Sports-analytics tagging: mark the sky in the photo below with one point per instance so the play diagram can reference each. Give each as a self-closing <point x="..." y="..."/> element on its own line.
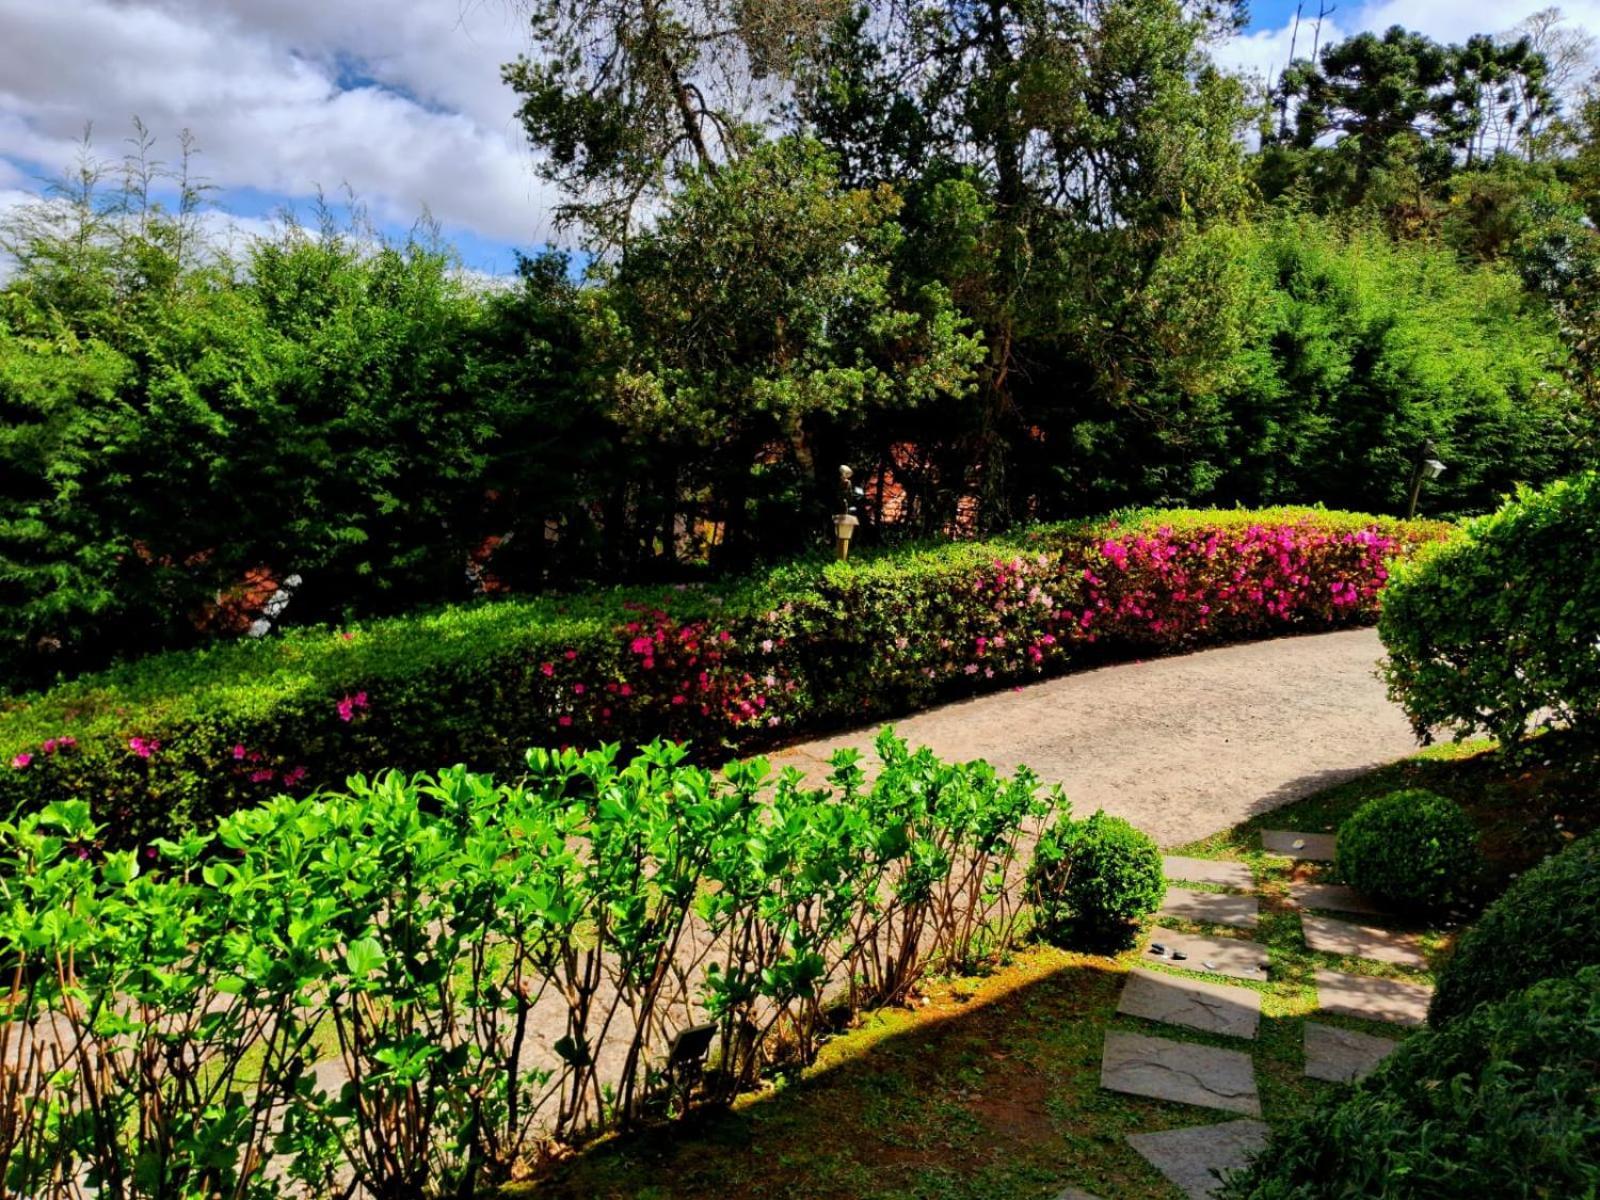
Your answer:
<point x="398" y="101"/>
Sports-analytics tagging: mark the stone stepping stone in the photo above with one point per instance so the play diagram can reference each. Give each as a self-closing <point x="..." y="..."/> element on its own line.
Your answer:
<point x="1192" y="1003"/>
<point x="1219" y="909"/>
<point x="1195" y="1158"/>
<point x="1341" y="1055"/>
<point x="1180" y="1071"/>
<point x="1334" y="897"/>
<point x="1235" y="957"/>
<point x="1330" y="936"/>
<point x="1391" y="1000"/>
<point x="1313" y="847"/>
<point x="1205" y="870"/>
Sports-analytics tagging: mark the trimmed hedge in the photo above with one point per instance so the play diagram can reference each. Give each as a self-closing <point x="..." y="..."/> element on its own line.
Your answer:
<point x="1547" y="923"/>
<point x="1413" y="849"/>
<point x="177" y="739"/>
<point x="1092" y="881"/>
<point x="1487" y="631"/>
<point x="1501" y="1103"/>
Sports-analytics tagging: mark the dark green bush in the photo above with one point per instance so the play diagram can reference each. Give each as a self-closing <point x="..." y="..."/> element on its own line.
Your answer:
<point x="1501" y="625"/>
<point x="1547" y="923"/>
<point x="178" y="738"/>
<point x="1501" y="1103"/>
<point x="1413" y="849"/>
<point x="1092" y="881"/>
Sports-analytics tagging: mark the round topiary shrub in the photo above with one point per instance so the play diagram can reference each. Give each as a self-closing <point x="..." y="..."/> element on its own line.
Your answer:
<point x="1092" y="881"/>
<point x="1547" y="923"/>
<point x="1500" y="1103"/>
<point x="1412" y="849"/>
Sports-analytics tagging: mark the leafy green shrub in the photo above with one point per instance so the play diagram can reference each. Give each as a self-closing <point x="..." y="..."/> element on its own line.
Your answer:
<point x="1495" y="628"/>
<point x="1547" y="923"/>
<point x="443" y="931"/>
<point x="179" y="738"/>
<point x="1092" y="881"/>
<point x="1413" y="849"/>
<point x="1500" y="1103"/>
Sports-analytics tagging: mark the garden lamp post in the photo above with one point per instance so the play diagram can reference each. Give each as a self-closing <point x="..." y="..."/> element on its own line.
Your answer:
<point x="1428" y="467"/>
<point x="844" y="524"/>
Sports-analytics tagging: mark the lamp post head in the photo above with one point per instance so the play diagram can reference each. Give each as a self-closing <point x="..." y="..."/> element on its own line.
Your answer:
<point x="1432" y="468"/>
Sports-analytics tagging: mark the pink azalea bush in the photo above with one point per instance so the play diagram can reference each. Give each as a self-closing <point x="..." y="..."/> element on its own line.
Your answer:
<point x="802" y="649"/>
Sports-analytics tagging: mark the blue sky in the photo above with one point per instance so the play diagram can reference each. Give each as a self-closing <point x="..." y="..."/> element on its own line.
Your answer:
<point x="400" y="101"/>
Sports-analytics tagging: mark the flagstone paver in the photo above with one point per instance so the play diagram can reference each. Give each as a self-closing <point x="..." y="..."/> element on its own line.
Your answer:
<point x="1194" y="1158"/>
<point x="1236" y="957"/>
<point x="1193" y="1003"/>
<point x="1206" y="870"/>
<point x="1391" y="1000"/>
<point x="1313" y="847"/>
<point x="1334" y="897"/>
<point x="1215" y="907"/>
<point x="1342" y="1055"/>
<point x="1331" y="936"/>
<point x="1182" y="1072"/>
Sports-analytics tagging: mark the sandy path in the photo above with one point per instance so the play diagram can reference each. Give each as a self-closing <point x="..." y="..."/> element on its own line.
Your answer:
<point x="1181" y="747"/>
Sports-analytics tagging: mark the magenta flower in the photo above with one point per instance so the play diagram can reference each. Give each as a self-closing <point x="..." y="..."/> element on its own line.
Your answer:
<point x="143" y="747"/>
<point x="21" y="761"/>
<point x="564" y="721"/>
<point x="290" y="778"/>
<point x="238" y="752"/>
<point x="261" y="776"/>
<point x="547" y="669"/>
<point x="578" y="689"/>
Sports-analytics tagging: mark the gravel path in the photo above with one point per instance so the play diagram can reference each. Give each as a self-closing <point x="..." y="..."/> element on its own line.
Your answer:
<point x="1181" y="747"/>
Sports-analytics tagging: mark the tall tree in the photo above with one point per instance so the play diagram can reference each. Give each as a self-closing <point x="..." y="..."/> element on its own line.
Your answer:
<point x="622" y="95"/>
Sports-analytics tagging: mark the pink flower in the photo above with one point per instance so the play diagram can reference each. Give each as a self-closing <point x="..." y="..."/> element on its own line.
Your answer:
<point x="570" y="655"/>
<point x="346" y="709"/>
<point x="547" y="669"/>
<point x="21" y="761"/>
<point x="641" y="645"/>
<point x="290" y="778"/>
<point x="143" y="747"/>
<point x="66" y="743"/>
<point x="261" y="776"/>
<point x="238" y="752"/>
<point x="625" y="690"/>
<point x="578" y="689"/>
<point x="766" y="646"/>
<point x="49" y="746"/>
<point x="564" y="721"/>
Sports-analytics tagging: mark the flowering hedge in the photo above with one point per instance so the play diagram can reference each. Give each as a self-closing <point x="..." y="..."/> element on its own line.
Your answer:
<point x="179" y="738"/>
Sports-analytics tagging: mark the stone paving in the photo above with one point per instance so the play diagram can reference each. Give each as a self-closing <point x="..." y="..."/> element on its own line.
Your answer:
<point x="1192" y="1003"/>
<point x="1342" y="1055"/>
<point x="1392" y="1001"/>
<point x="1217" y="908"/>
<point x="1195" y="1158"/>
<point x="1334" y="897"/>
<point x="1164" y="1068"/>
<point x="1234" y="957"/>
<point x="1308" y="847"/>
<point x="1328" y="935"/>
<point x="1183" y="1072"/>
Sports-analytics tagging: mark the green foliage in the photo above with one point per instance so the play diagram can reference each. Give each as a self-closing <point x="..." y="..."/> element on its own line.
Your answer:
<point x="1093" y="881"/>
<point x="1413" y="849"/>
<point x="1498" y="627"/>
<point x="176" y="739"/>
<point x="1499" y="1103"/>
<point x="442" y="931"/>
<point x="1546" y="924"/>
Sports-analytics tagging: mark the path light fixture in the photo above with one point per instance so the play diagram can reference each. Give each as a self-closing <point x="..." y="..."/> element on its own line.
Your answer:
<point x="1428" y="467"/>
<point x="844" y="523"/>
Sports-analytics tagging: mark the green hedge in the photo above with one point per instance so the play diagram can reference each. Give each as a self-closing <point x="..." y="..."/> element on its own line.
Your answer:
<point x="1547" y="923"/>
<point x="176" y="739"/>
<point x="1494" y="628"/>
<point x="1501" y="1103"/>
<point x="1413" y="849"/>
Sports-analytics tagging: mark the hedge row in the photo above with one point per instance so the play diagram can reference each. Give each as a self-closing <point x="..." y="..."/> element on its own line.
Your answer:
<point x="1499" y="628"/>
<point x="177" y="739"/>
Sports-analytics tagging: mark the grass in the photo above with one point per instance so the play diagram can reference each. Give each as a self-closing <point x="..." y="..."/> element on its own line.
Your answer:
<point x="988" y="1088"/>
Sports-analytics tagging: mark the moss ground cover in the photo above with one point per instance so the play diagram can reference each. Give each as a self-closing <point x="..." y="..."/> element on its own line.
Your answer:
<point x="988" y="1087"/>
<point x="175" y="740"/>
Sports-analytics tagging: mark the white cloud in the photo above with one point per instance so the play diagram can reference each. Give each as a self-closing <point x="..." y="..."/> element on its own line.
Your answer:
<point x="402" y="102"/>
